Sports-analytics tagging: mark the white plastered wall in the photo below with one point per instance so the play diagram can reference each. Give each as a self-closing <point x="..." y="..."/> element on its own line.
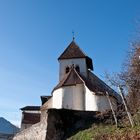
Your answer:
<point x="74" y="97"/>
<point x="69" y="62"/>
<point x="90" y="101"/>
<point x="79" y="97"/>
<point x="32" y="111"/>
<point x="69" y="97"/>
<point x="57" y="98"/>
<point x="98" y="102"/>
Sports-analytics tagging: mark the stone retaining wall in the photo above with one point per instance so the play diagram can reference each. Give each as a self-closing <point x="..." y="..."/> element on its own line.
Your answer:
<point x="35" y="132"/>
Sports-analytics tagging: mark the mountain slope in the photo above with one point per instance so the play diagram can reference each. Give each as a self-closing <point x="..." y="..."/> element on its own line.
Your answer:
<point x="6" y="127"/>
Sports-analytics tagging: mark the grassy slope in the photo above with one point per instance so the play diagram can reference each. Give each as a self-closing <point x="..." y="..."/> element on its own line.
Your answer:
<point x="110" y="132"/>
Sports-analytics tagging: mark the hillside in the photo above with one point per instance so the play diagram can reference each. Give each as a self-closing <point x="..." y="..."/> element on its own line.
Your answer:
<point x="110" y="132"/>
<point x="107" y="132"/>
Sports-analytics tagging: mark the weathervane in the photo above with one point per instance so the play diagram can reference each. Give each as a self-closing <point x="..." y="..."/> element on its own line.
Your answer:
<point x="73" y="35"/>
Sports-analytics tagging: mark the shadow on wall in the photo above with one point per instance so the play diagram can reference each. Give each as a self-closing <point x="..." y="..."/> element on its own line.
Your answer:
<point x="63" y="123"/>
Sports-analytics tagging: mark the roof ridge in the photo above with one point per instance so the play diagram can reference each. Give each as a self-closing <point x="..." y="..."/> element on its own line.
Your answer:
<point x="68" y="75"/>
<point x="79" y="48"/>
<point x="79" y="75"/>
<point x="72" y="68"/>
<point x="62" y="81"/>
<point x="66" y="81"/>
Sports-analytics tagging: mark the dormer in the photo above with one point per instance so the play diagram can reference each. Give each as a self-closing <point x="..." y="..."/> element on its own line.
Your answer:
<point x="73" y="55"/>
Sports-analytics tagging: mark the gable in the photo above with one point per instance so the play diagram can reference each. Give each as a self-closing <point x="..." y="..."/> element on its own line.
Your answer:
<point x="71" y="78"/>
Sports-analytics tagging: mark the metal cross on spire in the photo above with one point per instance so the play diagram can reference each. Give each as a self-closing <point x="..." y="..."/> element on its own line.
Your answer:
<point x="73" y="35"/>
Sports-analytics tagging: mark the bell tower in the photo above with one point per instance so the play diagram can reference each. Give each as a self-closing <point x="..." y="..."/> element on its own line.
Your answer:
<point x="74" y="56"/>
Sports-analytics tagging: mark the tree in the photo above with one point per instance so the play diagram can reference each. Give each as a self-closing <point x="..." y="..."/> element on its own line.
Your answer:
<point x="131" y="77"/>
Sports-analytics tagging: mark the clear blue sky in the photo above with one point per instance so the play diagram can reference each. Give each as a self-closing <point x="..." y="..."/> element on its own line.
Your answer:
<point x="33" y="33"/>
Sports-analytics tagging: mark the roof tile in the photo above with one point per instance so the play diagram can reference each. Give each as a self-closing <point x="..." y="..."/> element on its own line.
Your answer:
<point x="31" y="108"/>
<point x="72" y="51"/>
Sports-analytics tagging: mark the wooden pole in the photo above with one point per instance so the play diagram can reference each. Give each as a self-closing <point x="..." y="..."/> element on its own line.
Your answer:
<point x="126" y="108"/>
<point x="111" y="106"/>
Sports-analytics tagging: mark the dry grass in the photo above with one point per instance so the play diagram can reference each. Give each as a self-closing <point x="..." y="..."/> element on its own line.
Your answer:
<point x="110" y="132"/>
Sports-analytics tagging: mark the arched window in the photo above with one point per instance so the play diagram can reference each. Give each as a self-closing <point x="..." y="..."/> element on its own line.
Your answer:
<point x="77" y="68"/>
<point x="67" y="70"/>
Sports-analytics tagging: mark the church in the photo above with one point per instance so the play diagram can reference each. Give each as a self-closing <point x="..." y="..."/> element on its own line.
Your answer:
<point x="78" y="92"/>
<point x="79" y="88"/>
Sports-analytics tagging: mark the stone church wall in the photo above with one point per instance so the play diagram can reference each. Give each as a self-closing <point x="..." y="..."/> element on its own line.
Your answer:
<point x="35" y="132"/>
<point x="63" y="123"/>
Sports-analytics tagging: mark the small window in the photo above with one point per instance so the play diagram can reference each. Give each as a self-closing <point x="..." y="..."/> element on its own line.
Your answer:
<point x="77" y="68"/>
<point x="67" y="69"/>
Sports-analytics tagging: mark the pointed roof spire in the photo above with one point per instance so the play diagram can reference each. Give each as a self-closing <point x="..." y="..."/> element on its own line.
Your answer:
<point x="72" y="51"/>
